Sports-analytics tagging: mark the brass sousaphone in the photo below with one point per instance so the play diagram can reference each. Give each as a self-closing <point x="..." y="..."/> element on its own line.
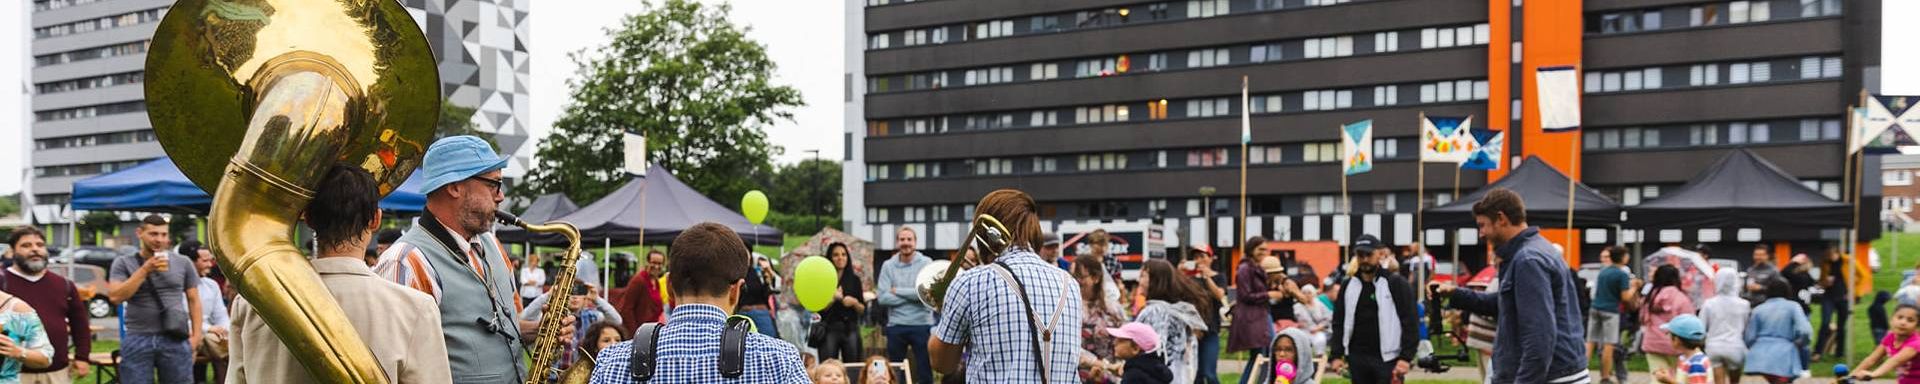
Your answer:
<point x="253" y="100"/>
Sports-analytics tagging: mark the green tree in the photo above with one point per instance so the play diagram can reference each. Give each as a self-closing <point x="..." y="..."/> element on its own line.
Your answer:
<point x="810" y="190"/>
<point x="691" y="82"/>
<point x="9" y="204"/>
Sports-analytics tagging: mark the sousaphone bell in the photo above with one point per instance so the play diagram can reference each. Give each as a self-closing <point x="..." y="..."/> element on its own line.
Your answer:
<point x="254" y="100"/>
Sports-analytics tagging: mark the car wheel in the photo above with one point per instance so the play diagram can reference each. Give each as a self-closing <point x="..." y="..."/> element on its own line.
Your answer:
<point x="99" y="308"/>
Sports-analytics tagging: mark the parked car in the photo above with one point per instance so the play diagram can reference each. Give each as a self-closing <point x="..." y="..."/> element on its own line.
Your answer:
<point x="91" y="282"/>
<point x="87" y="255"/>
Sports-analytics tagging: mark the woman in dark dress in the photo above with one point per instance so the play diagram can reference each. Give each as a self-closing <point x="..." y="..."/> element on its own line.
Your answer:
<point x="842" y="316"/>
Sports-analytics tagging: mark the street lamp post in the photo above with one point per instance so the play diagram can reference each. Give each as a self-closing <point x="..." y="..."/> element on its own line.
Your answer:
<point x="1206" y="203"/>
<point x="816" y="200"/>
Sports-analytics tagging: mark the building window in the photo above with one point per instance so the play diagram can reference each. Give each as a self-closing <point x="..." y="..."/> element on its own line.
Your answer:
<point x="1265" y="104"/>
<point x="1320" y="152"/>
<point x="1386" y="42"/>
<point x="1206" y="8"/>
<point x="1100" y="114"/>
<point x="1045" y="71"/>
<point x="1386" y="148"/>
<point x="1204" y="58"/>
<point x="1096" y="67"/>
<point x="1453" y="37"/>
<point x="1748" y="11"/>
<point x="1157" y="62"/>
<point x="1263" y="154"/>
<point x="1209" y="108"/>
<point x="1898" y="177"/>
<point x="1341" y="46"/>
<point x="1103" y="162"/>
<point x="993" y="29"/>
<point x="1212" y="157"/>
<point x="97" y="24"/>
<point x="1157" y="110"/>
<point x="1703" y="74"/>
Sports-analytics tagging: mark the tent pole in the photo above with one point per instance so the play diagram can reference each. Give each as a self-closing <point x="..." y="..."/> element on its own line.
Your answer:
<point x="1573" y="173"/>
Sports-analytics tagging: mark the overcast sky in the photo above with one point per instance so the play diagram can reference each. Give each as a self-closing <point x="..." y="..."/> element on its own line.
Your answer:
<point x="803" y="38"/>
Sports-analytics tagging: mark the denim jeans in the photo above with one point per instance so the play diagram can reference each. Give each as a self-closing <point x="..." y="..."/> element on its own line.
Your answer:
<point x="763" y="320"/>
<point x="143" y="355"/>
<point x="1209" y="358"/>
<point x="1833" y="312"/>
<point x="901" y="337"/>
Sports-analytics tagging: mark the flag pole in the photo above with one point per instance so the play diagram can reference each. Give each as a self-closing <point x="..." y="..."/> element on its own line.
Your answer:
<point x="1420" y="196"/>
<point x="1246" y="136"/>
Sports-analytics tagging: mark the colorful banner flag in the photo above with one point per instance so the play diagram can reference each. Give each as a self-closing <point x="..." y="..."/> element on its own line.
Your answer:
<point x="1880" y="115"/>
<point x="1559" y="89"/>
<point x="1486" y="156"/>
<point x="1445" y="139"/>
<point x="1356" y="147"/>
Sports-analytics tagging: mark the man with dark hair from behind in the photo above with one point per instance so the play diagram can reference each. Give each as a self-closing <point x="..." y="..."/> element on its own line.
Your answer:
<point x="706" y="267"/>
<point x="1539" y="336"/>
<point x="57" y="302"/>
<point x="401" y="325"/>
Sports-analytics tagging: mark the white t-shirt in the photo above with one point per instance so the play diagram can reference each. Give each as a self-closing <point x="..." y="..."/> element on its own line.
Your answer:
<point x="531" y="280"/>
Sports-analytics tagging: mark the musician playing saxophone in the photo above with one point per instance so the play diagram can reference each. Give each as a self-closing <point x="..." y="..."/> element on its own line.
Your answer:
<point x="450" y="253"/>
<point x="400" y="324"/>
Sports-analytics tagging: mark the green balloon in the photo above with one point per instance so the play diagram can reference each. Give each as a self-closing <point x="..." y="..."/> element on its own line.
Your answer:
<point x="754" y="205"/>
<point x="814" y="283"/>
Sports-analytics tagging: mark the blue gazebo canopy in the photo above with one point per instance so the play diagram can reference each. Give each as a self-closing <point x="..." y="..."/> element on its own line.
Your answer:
<point x="154" y="186"/>
<point x="159" y="186"/>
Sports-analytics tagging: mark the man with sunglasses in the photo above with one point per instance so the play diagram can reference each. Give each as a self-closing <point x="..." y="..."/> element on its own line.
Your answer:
<point x="451" y="254"/>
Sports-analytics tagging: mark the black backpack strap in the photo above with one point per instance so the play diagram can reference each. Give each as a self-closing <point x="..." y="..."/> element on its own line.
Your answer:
<point x="733" y="347"/>
<point x="640" y="363"/>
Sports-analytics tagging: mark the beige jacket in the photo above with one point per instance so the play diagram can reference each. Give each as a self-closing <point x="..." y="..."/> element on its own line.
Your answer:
<point x="400" y="324"/>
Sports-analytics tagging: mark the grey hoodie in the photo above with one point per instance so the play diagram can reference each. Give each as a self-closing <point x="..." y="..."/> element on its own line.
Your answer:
<point x="1726" y="315"/>
<point x="1303" y="355"/>
<point x="1176" y="323"/>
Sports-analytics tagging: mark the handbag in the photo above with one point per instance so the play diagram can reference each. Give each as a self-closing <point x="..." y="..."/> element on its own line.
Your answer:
<point x="817" y="335"/>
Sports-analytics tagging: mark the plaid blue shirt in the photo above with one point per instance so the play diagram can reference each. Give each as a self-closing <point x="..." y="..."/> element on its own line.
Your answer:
<point x="689" y="350"/>
<point x="984" y="313"/>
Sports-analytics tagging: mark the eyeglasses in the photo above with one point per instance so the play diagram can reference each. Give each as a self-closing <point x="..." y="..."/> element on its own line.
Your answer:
<point x="495" y="183"/>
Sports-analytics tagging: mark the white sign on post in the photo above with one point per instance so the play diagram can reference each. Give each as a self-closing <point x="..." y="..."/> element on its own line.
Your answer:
<point x="635" y="152"/>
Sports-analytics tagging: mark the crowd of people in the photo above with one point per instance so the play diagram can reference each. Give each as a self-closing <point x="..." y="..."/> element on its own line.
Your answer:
<point x="442" y="301"/>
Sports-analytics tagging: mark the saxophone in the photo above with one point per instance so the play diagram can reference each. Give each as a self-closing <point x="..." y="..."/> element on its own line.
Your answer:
<point x="546" y="338"/>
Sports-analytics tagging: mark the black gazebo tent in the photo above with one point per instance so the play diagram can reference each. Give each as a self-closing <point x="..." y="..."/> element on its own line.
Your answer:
<point x="1742" y="190"/>
<point x="670" y="207"/>
<point x="1544" y="190"/>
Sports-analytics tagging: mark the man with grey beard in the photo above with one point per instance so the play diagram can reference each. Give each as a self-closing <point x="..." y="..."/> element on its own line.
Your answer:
<point x="451" y="254"/>
<point x="61" y="311"/>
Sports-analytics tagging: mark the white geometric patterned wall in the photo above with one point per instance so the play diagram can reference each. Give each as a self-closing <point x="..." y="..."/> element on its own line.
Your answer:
<point x="482" y="49"/>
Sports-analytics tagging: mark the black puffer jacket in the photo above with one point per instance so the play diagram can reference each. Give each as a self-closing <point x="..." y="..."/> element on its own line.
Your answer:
<point x="1147" y="368"/>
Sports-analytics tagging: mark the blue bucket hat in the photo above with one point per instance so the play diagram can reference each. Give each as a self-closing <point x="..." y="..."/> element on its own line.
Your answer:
<point x="457" y="158"/>
<point x="1687" y="327"/>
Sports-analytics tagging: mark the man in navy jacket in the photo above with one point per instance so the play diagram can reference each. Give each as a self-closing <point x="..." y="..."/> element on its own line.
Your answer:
<point x="1539" y="336"/>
